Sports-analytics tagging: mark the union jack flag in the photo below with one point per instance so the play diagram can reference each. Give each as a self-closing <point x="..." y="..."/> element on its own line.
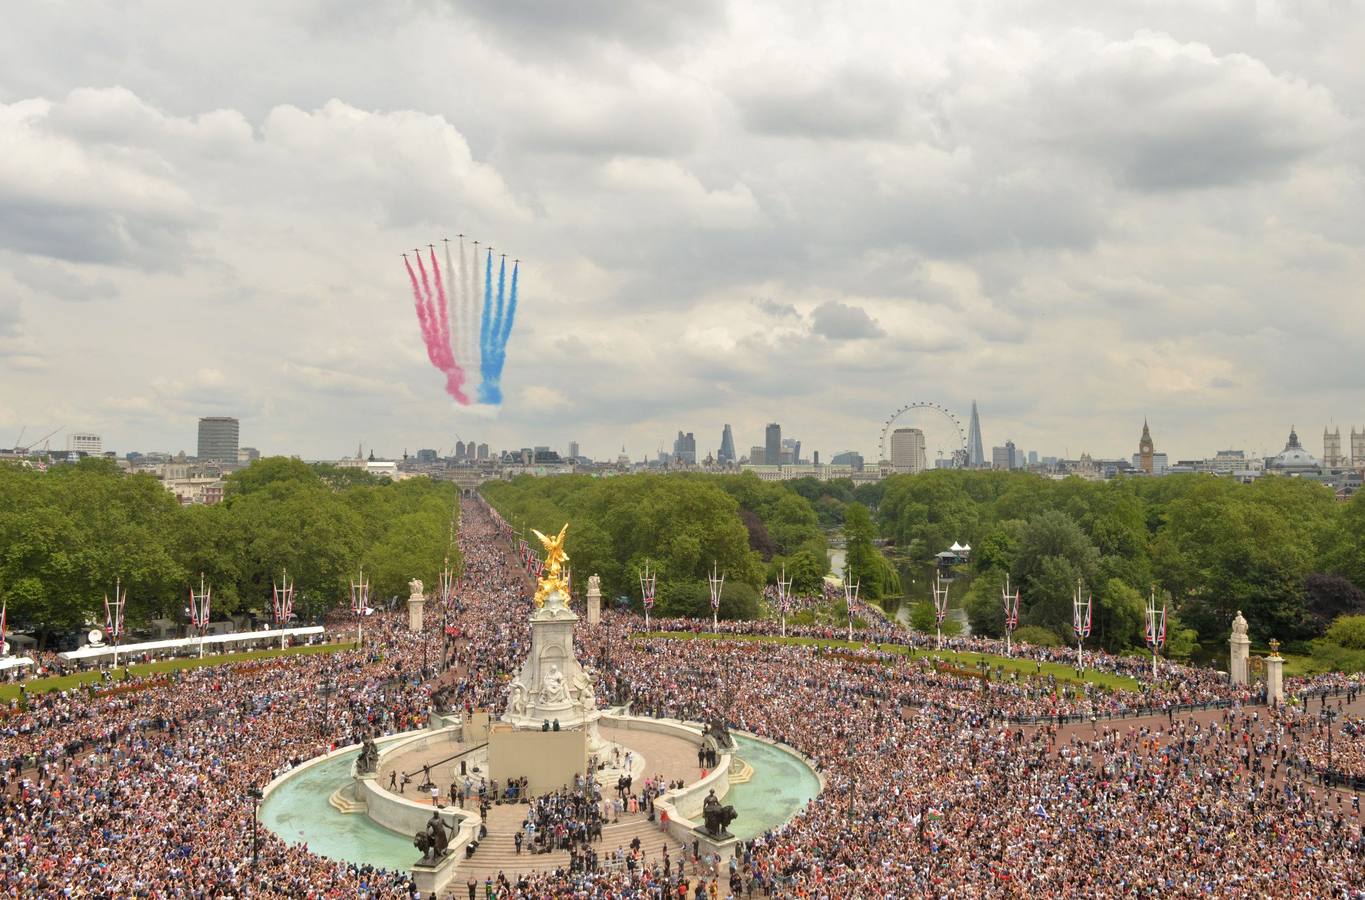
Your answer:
<point x="1082" y="616"/>
<point x="1156" y="629"/>
<point x="1012" y="611"/>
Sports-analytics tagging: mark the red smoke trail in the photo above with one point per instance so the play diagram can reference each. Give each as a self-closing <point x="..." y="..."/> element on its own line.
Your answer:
<point x="454" y="374"/>
<point x="422" y="318"/>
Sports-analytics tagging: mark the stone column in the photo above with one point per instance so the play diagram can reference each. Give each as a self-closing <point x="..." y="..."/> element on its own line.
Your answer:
<point x="1274" y="676"/>
<point x="1240" y="646"/>
<point x="594" y="600"/>
<point x="415" y="605"/>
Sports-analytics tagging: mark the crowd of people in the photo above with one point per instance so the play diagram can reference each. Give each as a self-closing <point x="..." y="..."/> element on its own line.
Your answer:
<point x="932" y="787"/>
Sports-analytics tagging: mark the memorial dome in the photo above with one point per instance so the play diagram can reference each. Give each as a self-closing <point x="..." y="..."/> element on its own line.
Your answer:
<point x="1293" y="459"/>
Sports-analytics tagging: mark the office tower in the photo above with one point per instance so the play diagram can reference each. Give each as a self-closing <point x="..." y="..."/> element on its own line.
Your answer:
<point x="758" y="456"/>
<point x="247" y="455"/>
<point x="795" y="447"/>
<point x="426" y="456"/>
<point x="89" y="444"/>
<point x="1003" y="457"/>
<point x="815" y="458"/>
<point x="907" y="450"/>
<point x="573" y="449"/>
<point x="976" y="455"/>
<point x="726" y="455"/>
<point x="1033" y="457"/>
<point x="772" y="450"/>
<point x="1145" y="450"/>
<point x="218" y="439"/>
<point x="685" y="448"/>
<point x="848" y="458"/>
<point x="482" y="451"/>
<point x="459" y="449"/>
<point x="1331" y="449"/>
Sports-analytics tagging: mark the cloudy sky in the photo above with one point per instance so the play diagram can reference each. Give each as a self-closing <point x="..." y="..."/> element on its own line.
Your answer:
<point x="727" y="212"/>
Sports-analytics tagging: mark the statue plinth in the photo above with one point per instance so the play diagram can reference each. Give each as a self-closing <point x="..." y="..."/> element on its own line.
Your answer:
<point x="416" y="601"/>
<point x="594" y="600"/>
<point x="723" y="848"/>
<point x="1239" y="651"/>
<point x="551" y="685"/>
<point x="431" y="878"/>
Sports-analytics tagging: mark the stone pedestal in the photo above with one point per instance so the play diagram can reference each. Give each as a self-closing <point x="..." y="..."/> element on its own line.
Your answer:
<point x="415" y="605"/>
<point x="722" y="847"/>
<point x="594" y="600"/>
<point x="1274" y="679"/>
<point x="551" y="685"/>
<point x="1240" y="652"/>
<point x="433" y="878"/>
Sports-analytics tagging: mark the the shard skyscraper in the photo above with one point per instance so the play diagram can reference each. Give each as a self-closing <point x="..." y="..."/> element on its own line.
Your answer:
<point x="976" y="454"/>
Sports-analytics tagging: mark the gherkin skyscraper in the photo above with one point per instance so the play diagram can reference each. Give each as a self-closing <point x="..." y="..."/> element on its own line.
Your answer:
<point x="976" y="454"/>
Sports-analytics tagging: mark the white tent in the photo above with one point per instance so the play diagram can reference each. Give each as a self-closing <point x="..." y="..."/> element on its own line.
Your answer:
<point x="220" y="641"/>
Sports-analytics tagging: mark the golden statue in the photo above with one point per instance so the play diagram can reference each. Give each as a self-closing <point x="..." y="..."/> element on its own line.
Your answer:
<point x="553" y="578"/>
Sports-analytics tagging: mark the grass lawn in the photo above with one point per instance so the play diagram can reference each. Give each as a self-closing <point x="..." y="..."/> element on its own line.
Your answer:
<point x="964" y="659"/>
<point x="62" y="682"/>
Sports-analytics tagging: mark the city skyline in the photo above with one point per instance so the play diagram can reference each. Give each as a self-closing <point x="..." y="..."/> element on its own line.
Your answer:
<point x="697" y="246"/>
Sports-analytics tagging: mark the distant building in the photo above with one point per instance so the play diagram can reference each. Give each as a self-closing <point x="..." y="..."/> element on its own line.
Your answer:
<point x="772" y="450"/>
<point x="1331" y="449"/>
<point x="976" y="454"/>
<point x="1004" y="457"/>
<point x="573" y="449"/>
<point x="758" y="456"/>
<point x="907" y="450"/>
<point x="685" y="449"/>
<point x="1145" y="450"/>
<point x="1358" y="448"/>
<point x="84" y="442"/>
<point x="1293" y="459"/>
<point x="247" y="455"/>
<point x="427" y="456"/>
<point x="459" y="450"/>
<point x="726" y="455"/>
<point x="482" y="452"/>
<point x="1033" y="457"/>
<point x="851" y="458"/>
<point x="218" y="439"/>
<point x="795" y="447"/>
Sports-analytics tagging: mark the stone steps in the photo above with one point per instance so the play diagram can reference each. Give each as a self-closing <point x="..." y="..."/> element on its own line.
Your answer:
<point x="497" y="852"/>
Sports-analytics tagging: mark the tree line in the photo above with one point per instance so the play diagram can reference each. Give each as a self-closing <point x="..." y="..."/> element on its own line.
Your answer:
<point x="680" y="525"/>
<point x="1282" y="550"/>
<point x="67" y="533"/>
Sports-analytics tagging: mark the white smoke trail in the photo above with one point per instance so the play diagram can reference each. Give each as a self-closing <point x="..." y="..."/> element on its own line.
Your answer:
<point x="453" y="309"/>
<point x="474" y="310"/>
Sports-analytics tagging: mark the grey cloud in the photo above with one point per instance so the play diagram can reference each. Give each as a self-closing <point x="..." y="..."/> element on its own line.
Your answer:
<point x="775" y="309"/>
<point x="844" y="322"/>
<point x="847" y="104"/>
<point x="648" y="23"/>
<point x="60" y="281"/>
<point x="1169" y="116"/>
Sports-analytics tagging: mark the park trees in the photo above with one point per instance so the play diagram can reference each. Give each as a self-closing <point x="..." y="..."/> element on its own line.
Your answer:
<point x="67" y="534"/>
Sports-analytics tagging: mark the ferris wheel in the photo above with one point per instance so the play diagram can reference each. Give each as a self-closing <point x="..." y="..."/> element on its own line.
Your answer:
<point x="952" y="439"/>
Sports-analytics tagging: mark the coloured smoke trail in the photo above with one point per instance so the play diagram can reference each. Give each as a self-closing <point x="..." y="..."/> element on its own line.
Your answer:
<point x="447" y="306"/>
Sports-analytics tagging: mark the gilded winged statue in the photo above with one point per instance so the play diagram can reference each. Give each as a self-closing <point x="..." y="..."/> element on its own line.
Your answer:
<point x="554" y="564"/>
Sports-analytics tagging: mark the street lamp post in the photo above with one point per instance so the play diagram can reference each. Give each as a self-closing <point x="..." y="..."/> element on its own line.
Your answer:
<point x="254" y="793"/>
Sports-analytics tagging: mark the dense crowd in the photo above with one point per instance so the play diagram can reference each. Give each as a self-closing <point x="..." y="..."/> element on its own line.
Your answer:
<point x="931" y="787"/>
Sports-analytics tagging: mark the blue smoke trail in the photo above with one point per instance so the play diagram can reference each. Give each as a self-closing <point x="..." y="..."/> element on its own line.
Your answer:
<point x="498" y="332"/>
<point x="511" y="315"/>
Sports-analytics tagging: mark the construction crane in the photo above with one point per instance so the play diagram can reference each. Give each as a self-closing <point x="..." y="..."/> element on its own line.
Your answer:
<point x="42" y="440"/>
<point x="20" y="439"/>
